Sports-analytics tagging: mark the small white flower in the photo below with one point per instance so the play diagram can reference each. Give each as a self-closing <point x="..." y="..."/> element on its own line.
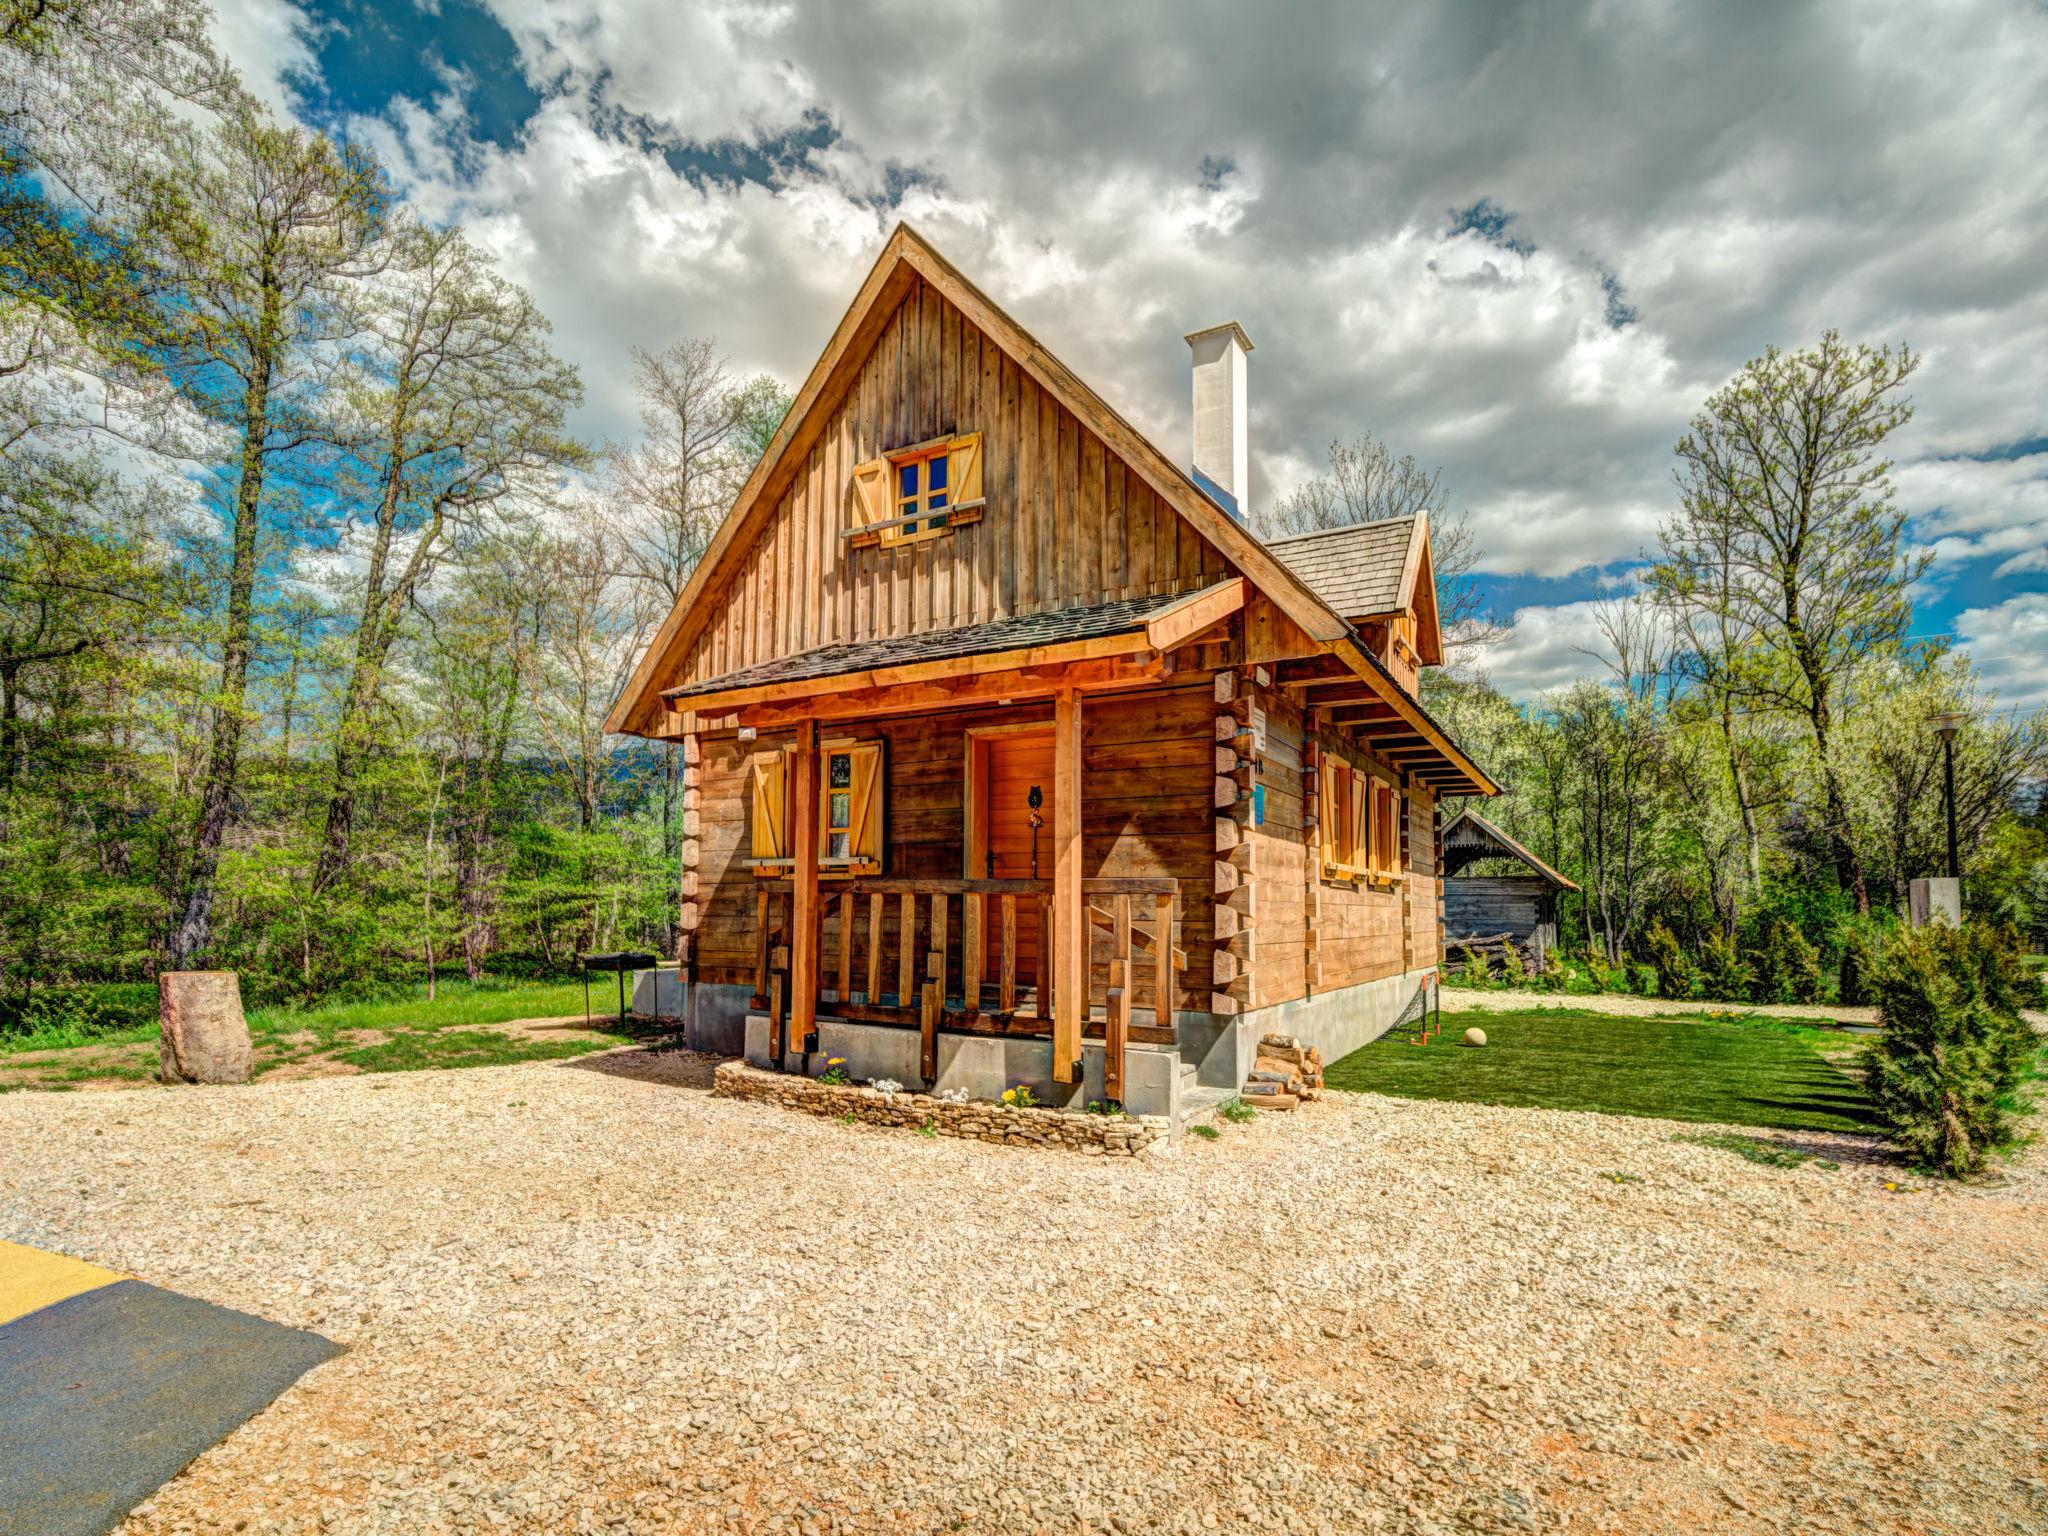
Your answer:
<point x="953" y="1095"/>
<point x="887" y="1086"/>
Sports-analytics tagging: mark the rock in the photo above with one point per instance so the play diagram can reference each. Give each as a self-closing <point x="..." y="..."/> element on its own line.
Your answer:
<point x="202" y="1036"/>
<point x="1475" y="1036"/>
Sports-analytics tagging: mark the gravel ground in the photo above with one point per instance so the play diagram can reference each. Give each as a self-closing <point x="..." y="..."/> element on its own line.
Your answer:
<point x="587" y="1297"/>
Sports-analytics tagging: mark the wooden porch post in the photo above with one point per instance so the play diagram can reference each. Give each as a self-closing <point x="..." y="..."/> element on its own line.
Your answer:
<point x="1069" y="921"/>
<point x="803" y="938"/>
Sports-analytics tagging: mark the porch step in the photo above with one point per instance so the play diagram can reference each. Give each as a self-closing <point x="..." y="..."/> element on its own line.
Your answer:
<point x="1195" y="1100"/>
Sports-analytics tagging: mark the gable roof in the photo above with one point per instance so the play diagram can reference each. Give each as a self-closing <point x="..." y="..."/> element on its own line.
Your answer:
<point x="1502" y="844"/>
<point x="906" y="256"/>
<point x="1358" y="570"/>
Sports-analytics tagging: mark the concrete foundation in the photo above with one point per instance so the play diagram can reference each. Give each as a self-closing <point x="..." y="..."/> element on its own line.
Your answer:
<point x="984" y="1065"/>
<point x="713" y="1015"/>
<point x="1335" y="1023"/>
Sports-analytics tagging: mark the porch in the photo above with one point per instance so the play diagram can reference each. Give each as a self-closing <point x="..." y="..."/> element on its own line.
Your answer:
<point x="941" y="961"/>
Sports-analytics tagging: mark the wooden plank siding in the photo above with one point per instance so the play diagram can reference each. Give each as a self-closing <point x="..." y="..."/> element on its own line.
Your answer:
<point x="1066" y="523"/>
<point x="1145" y="771"/>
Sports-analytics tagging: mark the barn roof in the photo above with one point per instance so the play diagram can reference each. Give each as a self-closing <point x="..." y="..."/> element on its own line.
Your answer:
<point x="1484" y="833"/>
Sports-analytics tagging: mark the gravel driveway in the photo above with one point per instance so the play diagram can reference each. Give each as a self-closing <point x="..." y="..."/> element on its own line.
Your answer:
<point x="587" y="1296"/>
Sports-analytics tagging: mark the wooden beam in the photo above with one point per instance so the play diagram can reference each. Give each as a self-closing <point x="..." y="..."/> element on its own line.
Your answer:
<point x="1041" y="682"/>
<point x="949" y="669"/>
<point x="1179" y="622"/>
<point x="1069" y="924"/>
<point x="803" y="966"/>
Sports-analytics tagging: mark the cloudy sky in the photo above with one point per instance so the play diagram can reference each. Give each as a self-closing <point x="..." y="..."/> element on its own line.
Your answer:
<point x="1521" y="242"/>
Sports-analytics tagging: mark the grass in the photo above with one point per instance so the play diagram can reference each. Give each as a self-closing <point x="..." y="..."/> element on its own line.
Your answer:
<point x="1735" y="1069"/>
<point x="1771" y="1154"/>
<point x="402" y="1032"/>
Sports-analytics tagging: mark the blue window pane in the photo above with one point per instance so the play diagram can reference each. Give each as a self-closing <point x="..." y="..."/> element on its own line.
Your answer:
<point x="939" y="472"/>
<point x="937" y="501"/>
<point x="906" y="480"/>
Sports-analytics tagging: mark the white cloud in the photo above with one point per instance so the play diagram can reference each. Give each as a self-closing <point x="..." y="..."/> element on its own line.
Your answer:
<point x="1748" y="177"/>
<point x="2009" y="644"/>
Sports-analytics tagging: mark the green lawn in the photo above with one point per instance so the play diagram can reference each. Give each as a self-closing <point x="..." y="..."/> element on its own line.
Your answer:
<point x="1732" y="1069"/>
<point x="399" y="1033"/>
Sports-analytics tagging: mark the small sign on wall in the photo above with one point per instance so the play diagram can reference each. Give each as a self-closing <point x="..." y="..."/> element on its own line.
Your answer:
<point x="1258" y="731"/>
<point x="1258" y="805"/>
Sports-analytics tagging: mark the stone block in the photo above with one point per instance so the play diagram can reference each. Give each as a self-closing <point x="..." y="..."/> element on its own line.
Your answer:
<point x="202" y="1036"/>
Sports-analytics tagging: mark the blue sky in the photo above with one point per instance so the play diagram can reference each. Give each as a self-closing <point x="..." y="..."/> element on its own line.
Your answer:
<point x="1520" y="246"/>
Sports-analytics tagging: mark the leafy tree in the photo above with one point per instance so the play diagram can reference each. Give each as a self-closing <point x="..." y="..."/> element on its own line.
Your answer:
<point x="1946" y="1067"/>
<point x="282" y="219"/>
<point x="1788" y="526"/>
<point x="458" y="405"/>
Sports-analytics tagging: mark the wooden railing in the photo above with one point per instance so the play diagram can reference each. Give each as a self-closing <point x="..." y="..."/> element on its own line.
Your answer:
<point x="925" y="954"/>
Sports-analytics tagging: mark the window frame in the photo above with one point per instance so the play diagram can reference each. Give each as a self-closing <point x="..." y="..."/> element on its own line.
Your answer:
<point x="1360" y="844"/>
<point x="848" y="867"/>
<point x="931" y="521"/>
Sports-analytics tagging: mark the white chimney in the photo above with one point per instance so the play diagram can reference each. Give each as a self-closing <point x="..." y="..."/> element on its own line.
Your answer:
<point x="1223" y="413"/>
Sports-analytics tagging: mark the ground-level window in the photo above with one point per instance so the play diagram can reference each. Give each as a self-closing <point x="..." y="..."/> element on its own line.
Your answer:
<point x="1361" y="823"/>
<point x="851" y="810"/>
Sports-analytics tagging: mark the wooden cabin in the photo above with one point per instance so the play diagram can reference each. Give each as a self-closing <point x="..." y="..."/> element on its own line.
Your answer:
<point x="1011" y="754"/>
<point x="1496" y="892"/>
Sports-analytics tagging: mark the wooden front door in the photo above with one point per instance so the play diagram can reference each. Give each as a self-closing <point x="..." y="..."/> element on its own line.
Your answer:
<point x="1004" y="767"/>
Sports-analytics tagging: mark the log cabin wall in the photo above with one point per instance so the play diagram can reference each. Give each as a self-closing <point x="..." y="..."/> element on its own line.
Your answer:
<point x="1146" y="773"/>
<point x="1354" y="931"/>
<point x="1065" y="525"/>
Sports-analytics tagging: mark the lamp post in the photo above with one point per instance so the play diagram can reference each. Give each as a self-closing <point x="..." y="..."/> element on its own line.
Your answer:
<point x="1947" y="724"/>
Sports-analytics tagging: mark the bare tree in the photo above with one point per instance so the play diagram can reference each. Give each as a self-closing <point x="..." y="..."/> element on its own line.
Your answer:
<point x="1368" y="484"/>
<point x="1787" y="521"/>
<point x="702" y="432"/>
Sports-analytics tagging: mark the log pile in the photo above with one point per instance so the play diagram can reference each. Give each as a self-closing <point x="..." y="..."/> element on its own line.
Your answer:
<point x="1285" y="1073"/>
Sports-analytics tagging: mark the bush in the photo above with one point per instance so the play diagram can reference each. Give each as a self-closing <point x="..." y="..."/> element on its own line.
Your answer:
<point x="1676" y="973"/>
<point x="1787" y="967"/>
<point x="1947" y="1064"/>
<point x="1512" y="972"/>
<point x="1474" y="972"/>
<point x="1723" y="976"/>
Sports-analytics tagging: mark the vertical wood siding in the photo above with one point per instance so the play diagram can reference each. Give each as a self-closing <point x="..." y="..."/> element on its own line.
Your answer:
<point x="1066" y="523"/>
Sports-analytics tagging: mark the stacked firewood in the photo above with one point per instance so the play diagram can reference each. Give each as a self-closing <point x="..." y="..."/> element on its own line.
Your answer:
<point x="1285" y="1073"/>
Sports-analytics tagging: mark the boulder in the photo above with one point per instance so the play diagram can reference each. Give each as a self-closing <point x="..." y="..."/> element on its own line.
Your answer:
<point x="1475" y="1036"/>
<point x="202" y="1036"/>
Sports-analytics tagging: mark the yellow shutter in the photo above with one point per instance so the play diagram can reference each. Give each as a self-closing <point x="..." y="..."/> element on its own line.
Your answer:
<point x="871" y="502"/>
<point x="1332" y="814"/>
<point x="771" y="809"/>
<point x="1361" y="822"/>
<point x="963" y="471"/>
<point x="864" y="824"/>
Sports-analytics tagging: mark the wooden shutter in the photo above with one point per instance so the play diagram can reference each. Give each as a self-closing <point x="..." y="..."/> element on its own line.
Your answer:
<point x="963" y="472"/>
<point x="871" y="501"/>
<point x="1332" y="813"/>
<point x="1361" y="822"/>
<point x="864" y="824"/>
<point x="771" y="810"/>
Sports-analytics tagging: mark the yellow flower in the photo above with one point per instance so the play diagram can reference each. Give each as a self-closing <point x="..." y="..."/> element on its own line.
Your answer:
<point x="835" y="1061"/>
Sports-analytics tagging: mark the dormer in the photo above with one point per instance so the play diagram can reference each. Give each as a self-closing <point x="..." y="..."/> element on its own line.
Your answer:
<point x="1380" y="578"/>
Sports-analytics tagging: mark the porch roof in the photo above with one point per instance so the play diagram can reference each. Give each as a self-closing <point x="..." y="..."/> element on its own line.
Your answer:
<point x="1024" y="631"/>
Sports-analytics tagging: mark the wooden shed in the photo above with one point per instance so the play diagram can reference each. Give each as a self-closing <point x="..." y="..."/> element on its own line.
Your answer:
<point x="1512" y="894"/>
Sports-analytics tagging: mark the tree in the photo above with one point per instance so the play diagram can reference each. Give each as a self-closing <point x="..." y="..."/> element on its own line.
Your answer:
<point x="1368" y="484"/>
<point x="1788" y="533"/>
<point x="702" y="432"/>
<point x="282" y="218"/>
<point x="458" y="405"/>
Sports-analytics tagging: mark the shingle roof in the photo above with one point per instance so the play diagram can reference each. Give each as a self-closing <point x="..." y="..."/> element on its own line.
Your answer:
<point x="1012" y="634"/>
<point x="1488" y="833"/>
<point x="1355" y="570"/>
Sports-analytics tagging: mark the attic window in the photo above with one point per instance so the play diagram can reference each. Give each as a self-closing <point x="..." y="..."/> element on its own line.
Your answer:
<point x="918" y="492"/>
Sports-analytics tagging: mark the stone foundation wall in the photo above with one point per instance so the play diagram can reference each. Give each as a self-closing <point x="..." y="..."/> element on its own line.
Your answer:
<point x="976" y="1120"/>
